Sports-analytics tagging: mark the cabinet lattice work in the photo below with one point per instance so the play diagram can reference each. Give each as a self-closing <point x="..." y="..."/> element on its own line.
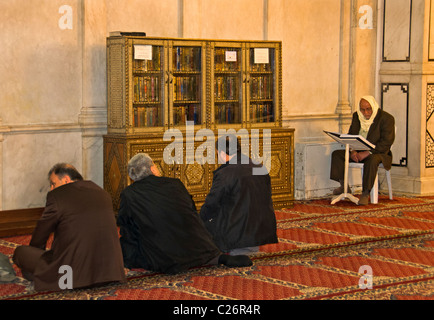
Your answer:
<point x="163" y="90"/>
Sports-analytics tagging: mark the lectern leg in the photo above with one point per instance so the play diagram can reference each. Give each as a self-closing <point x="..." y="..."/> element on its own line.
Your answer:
<point x="346" y="194"/>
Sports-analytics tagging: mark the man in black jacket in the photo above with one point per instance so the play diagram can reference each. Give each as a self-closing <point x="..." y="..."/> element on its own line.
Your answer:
<point x="238" y="211"/>
<point x="160" y="227"/>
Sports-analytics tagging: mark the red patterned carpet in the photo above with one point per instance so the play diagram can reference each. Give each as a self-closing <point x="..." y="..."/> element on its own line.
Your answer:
<point x="320" y="253"/>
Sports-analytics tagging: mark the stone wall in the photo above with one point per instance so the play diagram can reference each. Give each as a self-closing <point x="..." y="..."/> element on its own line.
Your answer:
<point x="53" y="75"/>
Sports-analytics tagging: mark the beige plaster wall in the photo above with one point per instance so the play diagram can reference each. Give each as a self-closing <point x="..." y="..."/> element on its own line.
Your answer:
<point x="41" y="77"/>
<point x="41" y="64"/>
<point x="310" y="30"/>
<point x="156" y="18"/>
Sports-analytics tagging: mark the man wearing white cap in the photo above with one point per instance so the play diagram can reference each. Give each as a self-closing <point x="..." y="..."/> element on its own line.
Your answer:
<point x="378" y="127"/>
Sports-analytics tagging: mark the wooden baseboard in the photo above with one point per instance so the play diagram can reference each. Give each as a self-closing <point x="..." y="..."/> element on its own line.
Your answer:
<point x="19" y="222"/>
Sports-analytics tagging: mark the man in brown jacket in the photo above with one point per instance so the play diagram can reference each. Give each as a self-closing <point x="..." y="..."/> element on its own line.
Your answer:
<point x="378" y="127"/>
<point x="86" y="249"/>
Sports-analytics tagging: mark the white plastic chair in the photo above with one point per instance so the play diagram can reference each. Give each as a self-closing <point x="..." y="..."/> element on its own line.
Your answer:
<point x="374" y="191"/>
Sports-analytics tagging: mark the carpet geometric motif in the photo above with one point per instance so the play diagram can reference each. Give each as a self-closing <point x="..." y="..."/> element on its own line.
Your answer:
<point x="320" y="253"/>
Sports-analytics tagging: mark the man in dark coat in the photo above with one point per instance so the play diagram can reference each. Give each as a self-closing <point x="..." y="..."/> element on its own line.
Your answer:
<point x="85" y="248"/>
<point x="238" y="211"/>
<point x="378" y="127"/>
<point x="160" y="227"/>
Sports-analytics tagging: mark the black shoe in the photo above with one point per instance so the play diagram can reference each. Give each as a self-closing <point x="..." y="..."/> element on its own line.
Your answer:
<point x="235" y="261"/>
<point x="364" y="200"/>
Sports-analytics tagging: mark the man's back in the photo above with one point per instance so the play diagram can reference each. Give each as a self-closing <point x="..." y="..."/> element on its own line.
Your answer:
<point x="85" y="237"/>
<point x="238" y="211"/>
<point x="160" y="228"/>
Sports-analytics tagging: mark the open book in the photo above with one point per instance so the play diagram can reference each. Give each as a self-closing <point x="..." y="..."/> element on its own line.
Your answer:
<point x="356" y="142"/>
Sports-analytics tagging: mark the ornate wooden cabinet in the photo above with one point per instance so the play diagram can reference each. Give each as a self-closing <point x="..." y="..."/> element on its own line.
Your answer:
<point x="185" y="93"/>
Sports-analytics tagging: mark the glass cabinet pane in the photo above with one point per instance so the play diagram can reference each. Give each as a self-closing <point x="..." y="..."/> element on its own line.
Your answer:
<point x="148" y="90"/>
<point x="227" y="85"/>
<point x="187" y="84"/>
<point x="261" y="85"/>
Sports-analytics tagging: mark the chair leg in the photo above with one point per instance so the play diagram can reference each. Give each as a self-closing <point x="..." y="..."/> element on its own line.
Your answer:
<point x="389" y="183"/>
<point x="374" y="191"/>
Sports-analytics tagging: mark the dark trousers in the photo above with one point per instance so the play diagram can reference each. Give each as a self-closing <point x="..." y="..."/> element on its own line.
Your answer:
<point x="370" y="168"/>
<point x="26" y="258"/>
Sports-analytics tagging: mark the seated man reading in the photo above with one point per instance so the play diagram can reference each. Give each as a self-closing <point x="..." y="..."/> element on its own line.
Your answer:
<point x="160" y="227"/>
<point x="376" y="126"/>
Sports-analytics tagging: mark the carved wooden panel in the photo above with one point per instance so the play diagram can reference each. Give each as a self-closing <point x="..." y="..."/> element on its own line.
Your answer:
<point x="429" y="135"/>
<point x="197" y="177"/>
<point x="116" y="83"/>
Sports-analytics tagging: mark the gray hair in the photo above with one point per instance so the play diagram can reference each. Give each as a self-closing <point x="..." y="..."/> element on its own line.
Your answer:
<point x="139" y="166"/>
